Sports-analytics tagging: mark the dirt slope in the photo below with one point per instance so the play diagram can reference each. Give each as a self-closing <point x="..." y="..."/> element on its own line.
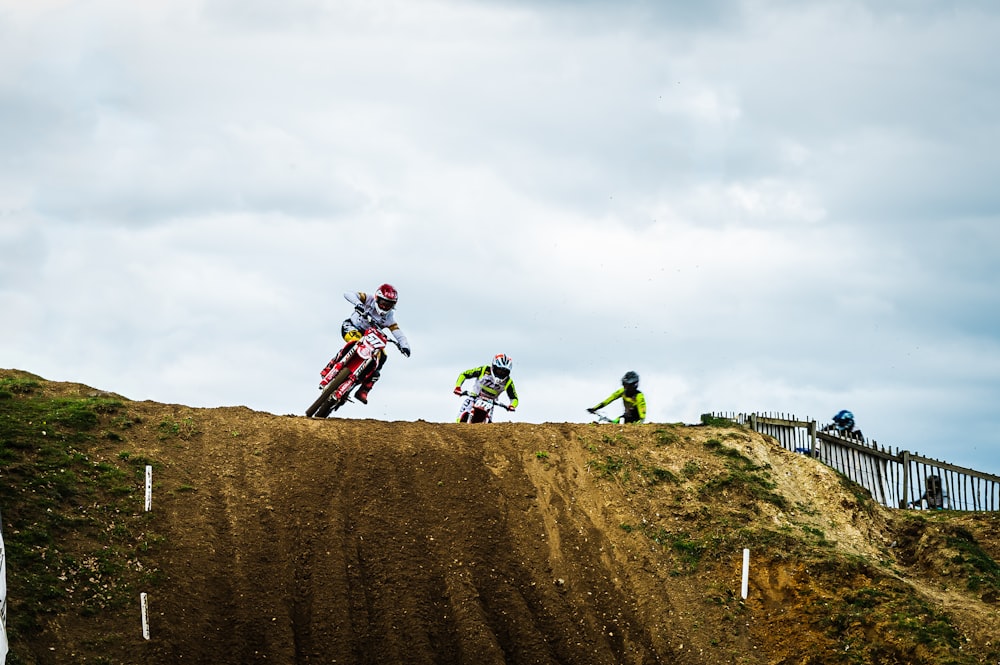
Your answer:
<point x="283" y="539"/>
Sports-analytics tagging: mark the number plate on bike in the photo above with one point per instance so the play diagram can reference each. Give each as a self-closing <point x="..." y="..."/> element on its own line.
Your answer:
<point x="370" y="343"/>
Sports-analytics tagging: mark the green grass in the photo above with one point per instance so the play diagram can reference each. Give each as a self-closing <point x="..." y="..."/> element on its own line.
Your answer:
<point x="818" y="533"/>
<point x="72" y="523"/>
<point x="626" y="470"/>
<point x="742" y="476"/>
<point x="612" y="466"/>
<point x="981" y="571"/>
<point x="182" y="429"/>
<point x="666" y="437"/>
<point x="691" y="469"/>
<point x="901" y="616"/>
<point x="715" y="421"/>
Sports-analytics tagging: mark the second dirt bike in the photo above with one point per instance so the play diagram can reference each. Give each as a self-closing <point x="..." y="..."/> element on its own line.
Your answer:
<point x="355" y="364"/>
<point x="481" y="408"/>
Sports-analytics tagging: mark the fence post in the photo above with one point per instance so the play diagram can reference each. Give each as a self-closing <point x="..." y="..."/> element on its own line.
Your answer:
<point x="753" y="422"/>
<point x="814" y="447"/>
<point x="905" y="455"/>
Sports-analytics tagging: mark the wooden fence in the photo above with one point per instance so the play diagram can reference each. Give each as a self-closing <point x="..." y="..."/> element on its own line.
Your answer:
<point x="899" y="479"/>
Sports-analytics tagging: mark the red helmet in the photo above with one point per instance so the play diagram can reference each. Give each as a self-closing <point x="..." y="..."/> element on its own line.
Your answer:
<point x="385" y="298"/>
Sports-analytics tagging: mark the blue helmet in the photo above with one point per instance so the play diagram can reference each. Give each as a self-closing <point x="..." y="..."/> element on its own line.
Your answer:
<point x="844" y="420"/>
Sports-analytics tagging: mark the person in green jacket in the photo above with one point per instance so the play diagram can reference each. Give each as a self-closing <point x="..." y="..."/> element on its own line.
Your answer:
<point x="634" y="401"/>
<point x="492" y="379"/>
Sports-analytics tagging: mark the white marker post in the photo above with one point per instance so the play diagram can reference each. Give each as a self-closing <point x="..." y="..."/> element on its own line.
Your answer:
<point x="149" y="487"/>
<point x="143" y="603"/>
<point x="746" y="573"/>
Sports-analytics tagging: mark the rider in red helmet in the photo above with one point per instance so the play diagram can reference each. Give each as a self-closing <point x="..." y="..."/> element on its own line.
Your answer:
<point x="380" y="308"/>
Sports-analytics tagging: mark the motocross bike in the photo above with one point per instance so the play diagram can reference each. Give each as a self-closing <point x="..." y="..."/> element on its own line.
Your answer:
<point x="481" y="409"/>
<point x="356" y="362"/>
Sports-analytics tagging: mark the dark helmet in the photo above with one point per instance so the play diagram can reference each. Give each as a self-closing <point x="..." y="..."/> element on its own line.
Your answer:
<point x="630" y="381"/>
<point x="844" y="420"/>
<point x="385" y="298"/>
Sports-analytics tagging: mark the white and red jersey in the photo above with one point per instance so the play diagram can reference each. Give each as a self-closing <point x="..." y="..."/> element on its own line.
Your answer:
<point x="387" y="320"/>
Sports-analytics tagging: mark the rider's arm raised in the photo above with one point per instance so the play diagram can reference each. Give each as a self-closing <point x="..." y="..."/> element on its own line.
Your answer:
<point x="356" y="297"/>
<point x="473" y="373"/>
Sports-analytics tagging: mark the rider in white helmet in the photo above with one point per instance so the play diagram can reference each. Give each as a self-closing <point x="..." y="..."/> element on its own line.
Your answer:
<point x="491" y="380"/>
<point x="380" y="308"/>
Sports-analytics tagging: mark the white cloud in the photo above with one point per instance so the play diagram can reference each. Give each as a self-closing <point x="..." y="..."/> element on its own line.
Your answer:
<point x="765" y="206"/>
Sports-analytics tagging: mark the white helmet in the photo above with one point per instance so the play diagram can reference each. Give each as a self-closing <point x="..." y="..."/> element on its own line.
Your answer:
<point x="502" y="364"/>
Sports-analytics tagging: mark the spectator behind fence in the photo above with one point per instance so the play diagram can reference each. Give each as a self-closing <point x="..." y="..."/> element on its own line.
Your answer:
<point x="934" y="495"/>
<point x="843" y="426"/>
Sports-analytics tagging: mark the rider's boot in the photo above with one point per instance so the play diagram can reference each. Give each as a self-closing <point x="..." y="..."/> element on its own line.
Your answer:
<point x="362" y="393"/>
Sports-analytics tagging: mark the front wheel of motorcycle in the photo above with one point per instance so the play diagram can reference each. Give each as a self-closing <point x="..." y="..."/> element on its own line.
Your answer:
<point x="323" y="405"/>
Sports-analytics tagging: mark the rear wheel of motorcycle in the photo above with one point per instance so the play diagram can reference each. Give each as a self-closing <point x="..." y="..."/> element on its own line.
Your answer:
<point x="322" y="407"/>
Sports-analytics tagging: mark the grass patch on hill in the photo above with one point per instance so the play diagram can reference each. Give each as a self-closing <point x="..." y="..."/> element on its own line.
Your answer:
<point x="74" y="526"/>
<point x="742" y="476"/>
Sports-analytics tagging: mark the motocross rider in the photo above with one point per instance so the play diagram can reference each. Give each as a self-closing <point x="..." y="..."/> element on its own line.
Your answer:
<point x="379" y="308"/>
<point x="632" y="398"/>
<point x="491" y="380"/>
<point x="843" y="425"/>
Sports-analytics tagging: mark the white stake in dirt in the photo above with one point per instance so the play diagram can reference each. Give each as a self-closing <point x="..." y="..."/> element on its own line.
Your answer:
<point x="746" y="573"/>
<point x="149" y="487"/>
<point x="144" y="604"/>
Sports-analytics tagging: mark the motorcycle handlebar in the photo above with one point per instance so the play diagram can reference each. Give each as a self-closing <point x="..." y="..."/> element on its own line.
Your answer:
<point x="373" y="324"/>
<point x="601" y="417"/>
<point x="466" y="393"/>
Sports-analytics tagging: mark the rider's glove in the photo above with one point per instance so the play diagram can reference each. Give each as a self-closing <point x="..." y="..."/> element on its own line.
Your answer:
<point x="591" y="410"/>
<point x="405" y="350"/>
<point x="458" y="390"/>
<point x="511" y="408"/>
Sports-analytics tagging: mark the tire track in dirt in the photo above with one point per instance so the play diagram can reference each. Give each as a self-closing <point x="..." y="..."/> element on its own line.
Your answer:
<point x="315" y="541"/>
<point x="323" y="541"/>
<point x="579" y="517"/>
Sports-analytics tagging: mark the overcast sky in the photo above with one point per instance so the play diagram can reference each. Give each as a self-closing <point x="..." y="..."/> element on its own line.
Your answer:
<point x="761" y="205"/>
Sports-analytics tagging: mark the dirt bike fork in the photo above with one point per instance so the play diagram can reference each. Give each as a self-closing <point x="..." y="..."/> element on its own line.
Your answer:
<point x="340" y="359"/>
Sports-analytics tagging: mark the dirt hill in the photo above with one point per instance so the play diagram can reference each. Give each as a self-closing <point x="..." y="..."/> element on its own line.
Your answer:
<point x="284" y="539"/>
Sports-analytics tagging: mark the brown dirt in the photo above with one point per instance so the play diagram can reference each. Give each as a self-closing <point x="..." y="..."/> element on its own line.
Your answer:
<point x="284" y="539"/>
